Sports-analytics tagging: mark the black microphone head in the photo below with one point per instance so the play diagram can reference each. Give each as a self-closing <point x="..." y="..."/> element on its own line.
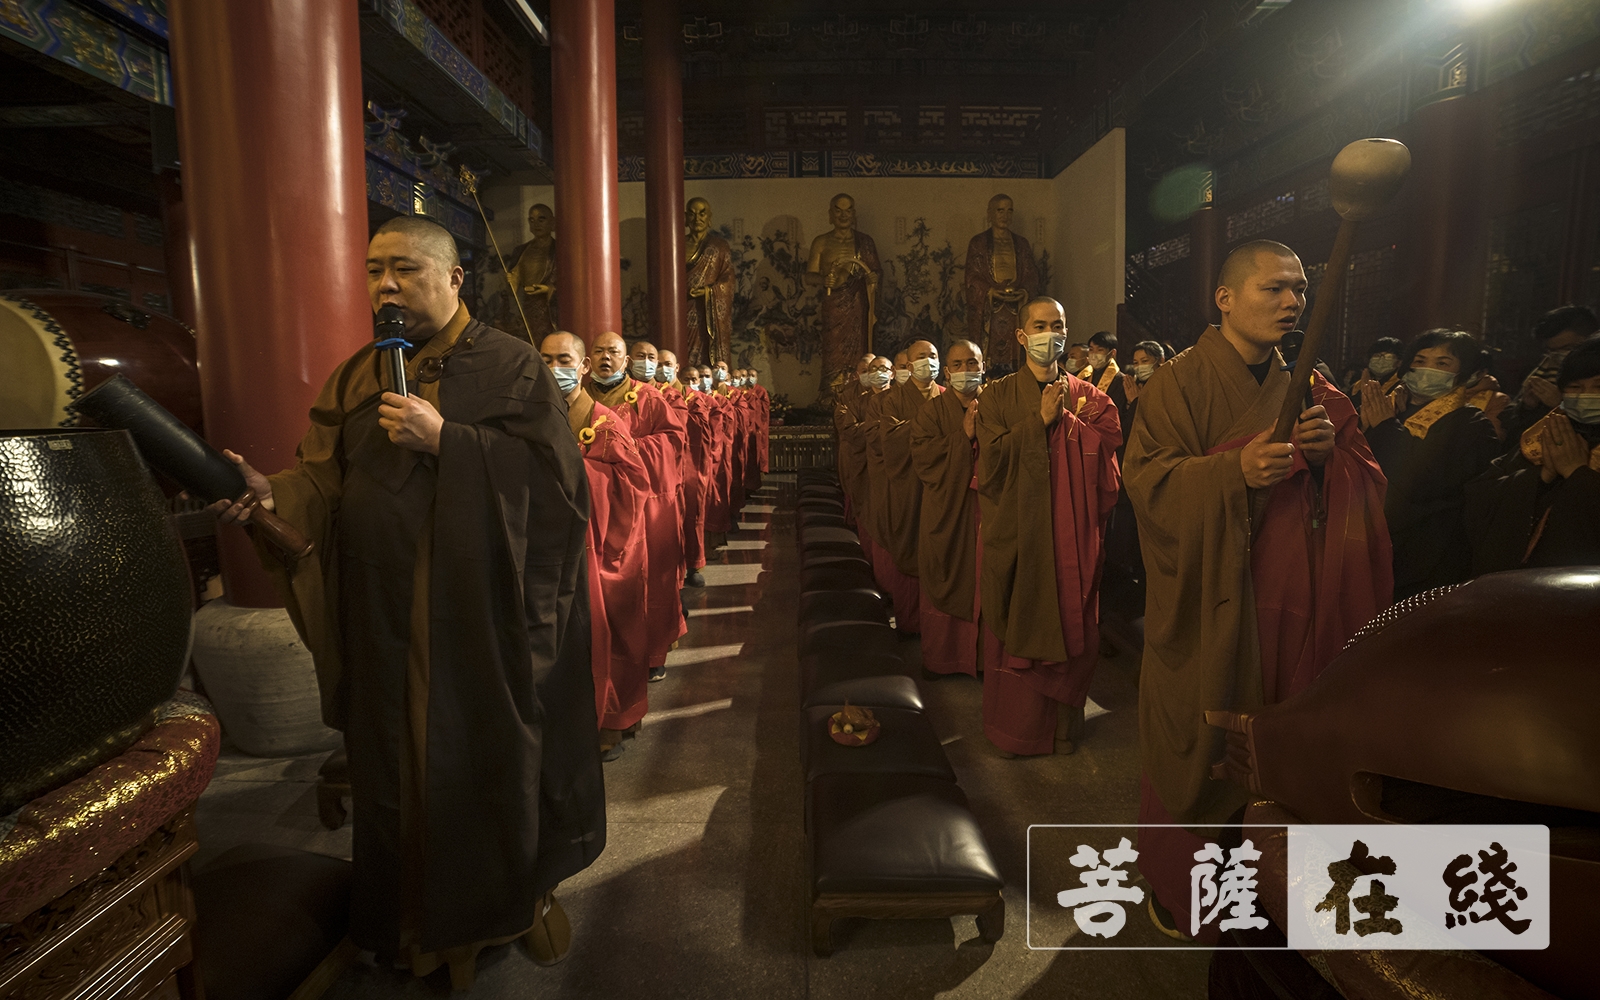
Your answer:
<point x="391" y="322"/>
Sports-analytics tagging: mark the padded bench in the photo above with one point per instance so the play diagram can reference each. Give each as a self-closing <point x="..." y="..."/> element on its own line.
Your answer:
<point x="848" y="639"/>
<point x="842" y="606"/>
<point x="906" y="746"/>
<point x="897" y="846"/>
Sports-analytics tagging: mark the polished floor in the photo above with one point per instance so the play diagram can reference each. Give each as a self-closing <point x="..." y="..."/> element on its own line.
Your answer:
<point x="701" y="889"/>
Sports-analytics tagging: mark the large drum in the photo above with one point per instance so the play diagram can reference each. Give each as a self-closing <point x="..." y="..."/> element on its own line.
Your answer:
<point x="94" y="605"/>
<point x="59" y="344"/>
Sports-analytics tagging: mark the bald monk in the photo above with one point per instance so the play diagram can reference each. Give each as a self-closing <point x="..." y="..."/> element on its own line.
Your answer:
<point x="1047" y="479"/>
<point x="897" y="492"/>
<point x="445" y="608"/>
<point x="699" y="453"/>
<point x="944" y="451"/>
<point x="1246" y="605"/>
<point x="850" y="449"/>
<point x="618" y="484"/>
<point x="658" y="429"/>
<point x="667" y="372"/>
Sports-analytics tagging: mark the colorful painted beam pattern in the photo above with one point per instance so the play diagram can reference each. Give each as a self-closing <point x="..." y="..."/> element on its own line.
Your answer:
<point x="406" y="18"/>
<point x="67" y="32"/>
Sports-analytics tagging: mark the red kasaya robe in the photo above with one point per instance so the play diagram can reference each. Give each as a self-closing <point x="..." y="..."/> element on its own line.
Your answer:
<point x="1041" y="606"/>
<point x="618" y="484"/>
<point x="697" y="477"/>
<point x="719" y="516"/>
<point x="1236" y="622"/>
<point x="658" y="429"/>
<point x="738" y="436"/>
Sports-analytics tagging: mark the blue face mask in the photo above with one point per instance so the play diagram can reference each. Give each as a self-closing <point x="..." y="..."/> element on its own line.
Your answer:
<point x="566" y="379"/>
<point x="1582" y="407"/>
<point x="965" y="382"/>
<point x="607" y="381"/>
<point x="705" y="383"/>
<point x="667" y="372"/>
<point x="644" y="369"/>
<point x="721" y="376"/>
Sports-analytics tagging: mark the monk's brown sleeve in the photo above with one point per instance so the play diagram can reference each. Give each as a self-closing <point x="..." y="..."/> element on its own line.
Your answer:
<point x="1011" y="441"/>
<point x="1185" y="500"/>
<point x="943" y="461"/>
<point x="307" y="495"/>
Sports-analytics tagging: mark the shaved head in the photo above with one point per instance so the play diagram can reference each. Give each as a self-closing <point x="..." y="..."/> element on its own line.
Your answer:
<point x="428" y="238"/>
<point x="667" y="357"/>
<point x="1248" y="259"/>
<point x="611" y="340"/>
<point x="961" y="351"/>
<point x="563" y="343"/>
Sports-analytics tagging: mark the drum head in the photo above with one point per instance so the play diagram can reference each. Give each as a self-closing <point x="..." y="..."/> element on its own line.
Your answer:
<point x="44" y="367"/>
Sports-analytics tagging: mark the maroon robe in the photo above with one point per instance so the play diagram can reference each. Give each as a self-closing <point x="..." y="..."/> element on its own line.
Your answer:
<point x="719" y="490"/>
<point x="618" y="484"/>
<point x="947" y="536"/>
<point x="658" y="429"/>
<point x="696" y="477"/>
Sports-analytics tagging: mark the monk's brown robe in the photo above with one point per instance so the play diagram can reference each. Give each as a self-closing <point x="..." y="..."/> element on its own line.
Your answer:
<point x="446" y="608"/>
<point x="896" y="410"/>
<point x="895" y="493"/>
<point x="852" y="446"/>
<point x="1234" y="622"/>
<point x="711" y="329"/>
<point x="994" y="324"/>
<point x="947" y="540"/>
<point x="1046" y="496"/>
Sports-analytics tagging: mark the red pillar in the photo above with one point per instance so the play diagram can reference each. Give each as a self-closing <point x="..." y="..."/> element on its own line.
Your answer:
<point x="583" y="72"/>
<point x="269" y="128"/>
<point x="663" y="174"/>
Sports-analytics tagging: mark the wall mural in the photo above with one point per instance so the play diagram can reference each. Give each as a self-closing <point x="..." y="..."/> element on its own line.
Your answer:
<point x="777" y="316"/>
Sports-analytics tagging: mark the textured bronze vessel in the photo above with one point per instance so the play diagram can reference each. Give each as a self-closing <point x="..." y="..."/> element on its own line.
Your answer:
<point x="94" y="605"/>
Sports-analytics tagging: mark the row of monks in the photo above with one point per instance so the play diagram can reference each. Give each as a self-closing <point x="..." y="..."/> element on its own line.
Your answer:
<point x="985" y="508"/>
<point x="670" y="452"/>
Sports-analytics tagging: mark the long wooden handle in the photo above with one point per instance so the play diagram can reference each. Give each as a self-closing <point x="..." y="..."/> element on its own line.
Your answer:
<point x="1316" y="330"/>
<point x="284" y="536"/>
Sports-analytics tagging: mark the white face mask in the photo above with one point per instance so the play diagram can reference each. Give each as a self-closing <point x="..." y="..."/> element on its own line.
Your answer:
<point x="667" y="372"/>
<point x="644" y="369"/>
<point x="966" y="382"/>
<point x="876" y="379"/>
<point x="705" y="383"/>
<point x="901" y="374"/>
<point x="1142" y="372"/>
<point x="1098" y="359"/>
<point x="751" y="379"/>
<point x="1383" y="365"/>
<point x="721" y="375"/>
<point x="925" y="369"/>
<point x="1045" y="348"/>
<point x="1582" y="407"/>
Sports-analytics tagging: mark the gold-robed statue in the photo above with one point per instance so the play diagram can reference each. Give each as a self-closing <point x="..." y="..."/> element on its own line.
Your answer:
<point x="845" y="263"/>
<point x="1001" y="275"/>
<point x="533" y="273"/>
<point x="711" y="285"/>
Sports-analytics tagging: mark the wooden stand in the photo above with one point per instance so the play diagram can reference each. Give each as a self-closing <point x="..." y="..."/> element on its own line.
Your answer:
<point x="990" y="908"/>
<point x="126" y="933"/>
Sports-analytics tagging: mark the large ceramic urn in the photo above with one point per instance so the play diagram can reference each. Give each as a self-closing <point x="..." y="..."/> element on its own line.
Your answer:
<point x="94" y="605"/>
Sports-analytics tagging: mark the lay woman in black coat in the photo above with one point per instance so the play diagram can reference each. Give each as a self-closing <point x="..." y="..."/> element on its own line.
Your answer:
<point x="1431" y="438"/>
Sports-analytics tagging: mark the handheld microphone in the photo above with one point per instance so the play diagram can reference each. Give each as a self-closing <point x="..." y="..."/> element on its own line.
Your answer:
<point x="390" y="332"/>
